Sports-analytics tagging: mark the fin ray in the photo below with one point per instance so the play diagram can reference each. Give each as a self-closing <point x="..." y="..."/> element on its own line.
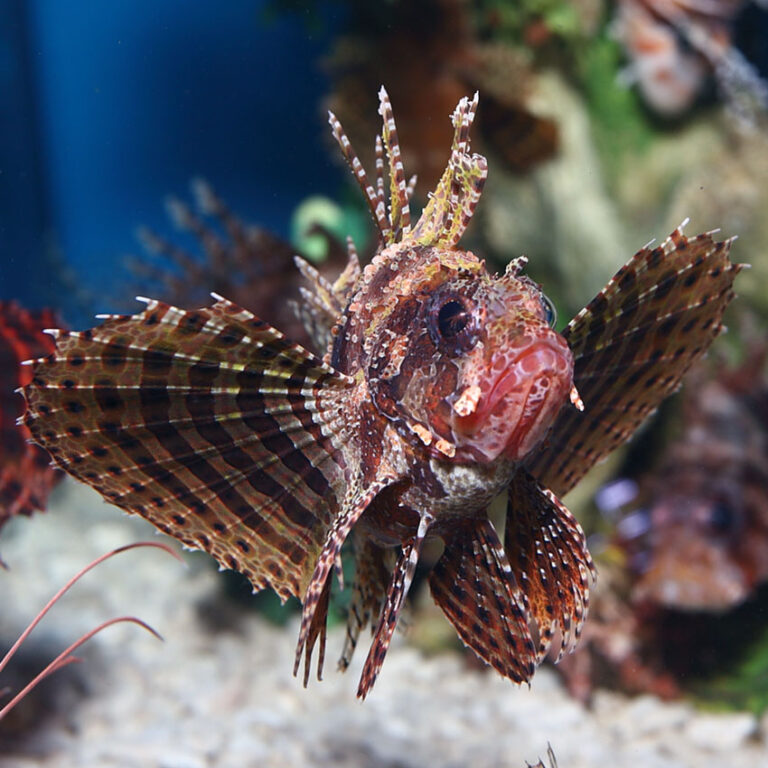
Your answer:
<point x="357" y="499"/>
<point x="453" y="202"/>
<point x="399" y="585"/>
<point x="368" y="591"/>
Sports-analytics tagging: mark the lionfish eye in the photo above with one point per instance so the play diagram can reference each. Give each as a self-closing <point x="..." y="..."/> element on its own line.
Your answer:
<point x="550" y="313"/>
<point x="452" y="319"/>
<point x="452" y="325"/>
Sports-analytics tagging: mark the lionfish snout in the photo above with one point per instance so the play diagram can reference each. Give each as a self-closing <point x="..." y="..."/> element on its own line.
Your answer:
<point x="523" y="387"/>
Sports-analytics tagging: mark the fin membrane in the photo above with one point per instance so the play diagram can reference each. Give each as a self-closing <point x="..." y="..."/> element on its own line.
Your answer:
<point x="210" y="424"/>
<point x="474" y="585"/>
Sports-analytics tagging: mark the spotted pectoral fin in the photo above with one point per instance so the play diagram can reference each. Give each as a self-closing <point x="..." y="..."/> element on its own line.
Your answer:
<point x="631" y="346"/>
<point x="548" y="553"/>
<point x="474" y="585"/>
<point x="210" y="424"/>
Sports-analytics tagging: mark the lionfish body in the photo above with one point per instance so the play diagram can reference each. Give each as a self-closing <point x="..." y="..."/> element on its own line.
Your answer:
<point x="442" y="386"/>
<point x="26" y="476"/>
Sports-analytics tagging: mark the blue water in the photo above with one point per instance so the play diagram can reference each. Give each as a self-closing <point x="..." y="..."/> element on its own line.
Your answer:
<point x="120" y="103"/>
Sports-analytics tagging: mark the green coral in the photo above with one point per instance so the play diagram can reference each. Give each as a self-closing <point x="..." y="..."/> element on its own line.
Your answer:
<point x="620" y="123"/>
<point x="318" y="215"/>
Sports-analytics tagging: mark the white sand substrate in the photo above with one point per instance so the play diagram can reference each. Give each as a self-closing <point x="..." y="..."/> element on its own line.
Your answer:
<point x="227" y="698"/>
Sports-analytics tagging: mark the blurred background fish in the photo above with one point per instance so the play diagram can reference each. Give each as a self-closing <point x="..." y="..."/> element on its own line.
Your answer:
<point x="700" y="539"/>
<point x="676" y="46"/>
<point x="250" y="265"/>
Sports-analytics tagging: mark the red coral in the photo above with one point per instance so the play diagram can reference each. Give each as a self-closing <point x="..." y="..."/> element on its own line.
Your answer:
<point x="26" y="476"/>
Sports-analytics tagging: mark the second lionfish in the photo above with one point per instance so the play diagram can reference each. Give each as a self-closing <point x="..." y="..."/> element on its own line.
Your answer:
<point x="442" y="387"/>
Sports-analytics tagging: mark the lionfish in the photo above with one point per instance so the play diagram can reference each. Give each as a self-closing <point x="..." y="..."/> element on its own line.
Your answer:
<point x="442" y="387"/>
<point x="26" y="476"/>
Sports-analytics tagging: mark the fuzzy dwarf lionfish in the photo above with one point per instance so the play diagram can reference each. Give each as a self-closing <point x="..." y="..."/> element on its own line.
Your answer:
<point x="437" y="393"/>
<point x="26" y="476"/>
<point x="701" y="542"/>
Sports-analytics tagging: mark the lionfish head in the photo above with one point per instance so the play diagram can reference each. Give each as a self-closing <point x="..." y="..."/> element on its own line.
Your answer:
<point x="469" y="362"/>
<point x="465" y="362"/>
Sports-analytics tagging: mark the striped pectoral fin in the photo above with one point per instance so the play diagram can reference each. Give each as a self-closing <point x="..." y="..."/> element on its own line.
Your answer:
<point x="474" y="585"/>
<point x="548" y="554"/>
<point x="396" y="594"/>
<point x="631" y="346"/>
<point x="314" y="611"/>
<point x="210" y="424"/>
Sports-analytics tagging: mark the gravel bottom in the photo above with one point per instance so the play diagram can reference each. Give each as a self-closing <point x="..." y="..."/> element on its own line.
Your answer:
<point x="227" y="699"/>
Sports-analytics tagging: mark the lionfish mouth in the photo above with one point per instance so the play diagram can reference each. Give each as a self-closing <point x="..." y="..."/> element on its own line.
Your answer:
<point x="512" y="412"/>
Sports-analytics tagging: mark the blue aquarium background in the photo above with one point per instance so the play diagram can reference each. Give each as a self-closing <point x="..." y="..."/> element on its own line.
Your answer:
<point x="110" y="107"/>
